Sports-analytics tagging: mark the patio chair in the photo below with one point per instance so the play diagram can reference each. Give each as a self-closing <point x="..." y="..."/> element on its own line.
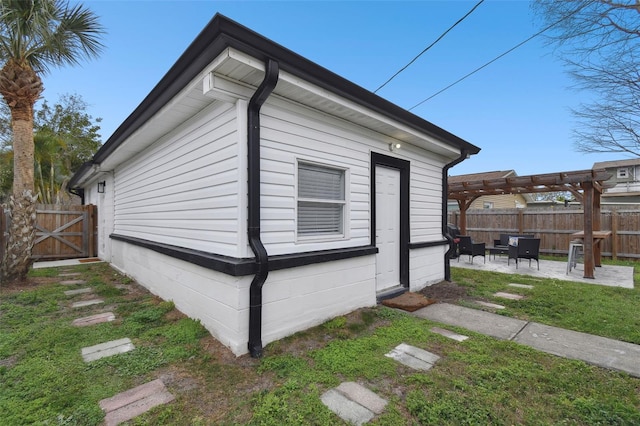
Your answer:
<point x="501" y="246"/>
<point x="527" y="248"/>
<point x="468" y="247"/>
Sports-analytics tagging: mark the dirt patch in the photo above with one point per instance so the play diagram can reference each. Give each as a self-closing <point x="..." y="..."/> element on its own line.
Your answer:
<point x="409" y="302"/>
<point x="29" y="284"/>
<point x="9" y="362"/>
<point x="446" y="292"/>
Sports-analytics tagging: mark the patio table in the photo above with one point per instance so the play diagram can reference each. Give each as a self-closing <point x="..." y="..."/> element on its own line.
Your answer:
<point x="598" y="236"/>
<point x="498" y="250"/>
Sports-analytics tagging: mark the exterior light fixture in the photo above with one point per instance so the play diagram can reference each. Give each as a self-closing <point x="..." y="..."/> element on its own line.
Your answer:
<point x="394" y="146"/>
<point x="101" y="186"/>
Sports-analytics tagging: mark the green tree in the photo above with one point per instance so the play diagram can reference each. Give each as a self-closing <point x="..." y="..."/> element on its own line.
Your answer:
<point x="68" y="119"/>
<point x="65" y="136"/>
<point x="34" y="35"/>
<point x="599" y="42"/>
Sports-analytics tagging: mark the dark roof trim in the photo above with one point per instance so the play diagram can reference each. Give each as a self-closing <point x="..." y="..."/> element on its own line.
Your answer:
<point x="246" y="266"/>
<point x="221" y="33"/>
<point x="73" y="182"/>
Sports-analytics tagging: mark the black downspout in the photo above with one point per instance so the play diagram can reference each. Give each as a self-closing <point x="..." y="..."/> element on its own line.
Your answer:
<point x="253" y="225"/>
<point x="445" y="211"/>
<point x="79" y="192"/>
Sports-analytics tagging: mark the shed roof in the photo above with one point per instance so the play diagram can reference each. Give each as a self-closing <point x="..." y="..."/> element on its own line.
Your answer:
<point x="222" y="34"/>
<point x="498" y="174"/>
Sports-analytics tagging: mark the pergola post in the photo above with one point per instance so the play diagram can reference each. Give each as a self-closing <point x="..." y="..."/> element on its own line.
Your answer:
<point x="597" y="223"/>
<point x="463" y="216"/>
<point x="464" y="205"/>
<point x="588" y="201"/>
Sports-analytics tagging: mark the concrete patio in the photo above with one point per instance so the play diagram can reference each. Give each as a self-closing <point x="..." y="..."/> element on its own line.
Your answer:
<point x="608" y="275"/>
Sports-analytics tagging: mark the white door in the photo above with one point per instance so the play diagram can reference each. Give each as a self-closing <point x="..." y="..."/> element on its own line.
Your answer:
<point x="387" y="228"/>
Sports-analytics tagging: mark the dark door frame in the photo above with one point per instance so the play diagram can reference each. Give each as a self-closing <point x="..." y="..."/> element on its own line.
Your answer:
<point x="403" y="166"/>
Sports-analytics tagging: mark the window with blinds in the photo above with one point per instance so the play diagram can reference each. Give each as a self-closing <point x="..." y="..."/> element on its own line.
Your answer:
<point x="321" y="200"/>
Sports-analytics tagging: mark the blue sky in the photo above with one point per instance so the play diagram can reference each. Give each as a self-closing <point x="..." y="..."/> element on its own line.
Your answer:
<point x="516" y="109"/>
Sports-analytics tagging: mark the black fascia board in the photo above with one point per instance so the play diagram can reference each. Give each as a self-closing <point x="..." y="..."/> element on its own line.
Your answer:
<point x="220" y="33"/>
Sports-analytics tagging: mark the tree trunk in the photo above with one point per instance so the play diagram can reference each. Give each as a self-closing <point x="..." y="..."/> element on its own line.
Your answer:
<point x="20" y="87"/>
<point x="17" y="260"/>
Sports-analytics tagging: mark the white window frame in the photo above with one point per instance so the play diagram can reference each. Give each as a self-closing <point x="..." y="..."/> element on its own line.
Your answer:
<point x="344" y="203"/>
<point x="487" y="204"/>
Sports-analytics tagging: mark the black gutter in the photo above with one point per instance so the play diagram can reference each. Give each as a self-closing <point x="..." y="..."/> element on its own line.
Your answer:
<point x="445" y="211"/>
<point x="253" y="226"/>
<point x="79" y="192"/>
<point x="72" y="187"/>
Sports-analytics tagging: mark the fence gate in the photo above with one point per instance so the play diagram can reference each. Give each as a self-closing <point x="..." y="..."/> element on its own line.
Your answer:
<point x="64" y="232"/>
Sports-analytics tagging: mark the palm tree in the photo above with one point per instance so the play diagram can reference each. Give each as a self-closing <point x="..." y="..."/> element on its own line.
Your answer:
<point x="34" y="35"/>
<point x="50" y="185"/>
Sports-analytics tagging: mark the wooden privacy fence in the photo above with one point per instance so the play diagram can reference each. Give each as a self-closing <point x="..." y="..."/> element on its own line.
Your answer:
<point x="62" y="232"/>
<point x="554" y="228"/>
<point x="65" y="232"/>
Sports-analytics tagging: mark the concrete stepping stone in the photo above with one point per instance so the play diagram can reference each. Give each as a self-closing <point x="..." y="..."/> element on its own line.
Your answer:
<point x="489" y="305"/>
<point x="72" y="282"/>
<point x="509" y="296"/>
<point x="83" y="303"/>
<point x="94" y="319"/>
<point x="449" y="334"/>
<point x="130" y="404"/>
<point x="413" y="357"/>
<point x="78" y="291"/>
<point x="103" y="350"/>
<point x="527" y="286"/>
<point x="353" y="402"/>
<point x="70" y="274"/>
<point x="483" y="322"/>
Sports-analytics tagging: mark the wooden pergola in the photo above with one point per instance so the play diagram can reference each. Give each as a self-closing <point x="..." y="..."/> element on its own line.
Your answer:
<point x="585" y="185"/>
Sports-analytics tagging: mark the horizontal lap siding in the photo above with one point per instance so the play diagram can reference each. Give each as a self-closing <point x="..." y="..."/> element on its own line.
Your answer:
<point x="425" y="198"/>
<point x="183" y="190"/>
<point x="288" y="135"/>
<point x="290" y="132"/>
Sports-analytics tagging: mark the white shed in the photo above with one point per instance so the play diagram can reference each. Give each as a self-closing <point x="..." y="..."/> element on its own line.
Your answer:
<point x="264" y="194"/>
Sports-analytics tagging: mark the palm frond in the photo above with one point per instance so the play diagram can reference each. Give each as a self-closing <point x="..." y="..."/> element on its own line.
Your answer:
<point x="48" y="33"/>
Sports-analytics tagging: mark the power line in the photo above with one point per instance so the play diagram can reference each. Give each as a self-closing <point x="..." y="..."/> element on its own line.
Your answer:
<point x="430" y="46"/>
<point x="492" y="61"/>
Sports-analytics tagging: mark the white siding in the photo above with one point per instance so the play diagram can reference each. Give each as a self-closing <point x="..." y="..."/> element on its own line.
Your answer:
<point x="425" y="197"/>
<point x="183" y="190"/>
<point x="291" y="132"/>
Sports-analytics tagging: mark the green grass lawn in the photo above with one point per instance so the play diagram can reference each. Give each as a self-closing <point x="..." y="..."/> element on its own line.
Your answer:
<point x="481" y="381"/>
<point x="605" y="311"/>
